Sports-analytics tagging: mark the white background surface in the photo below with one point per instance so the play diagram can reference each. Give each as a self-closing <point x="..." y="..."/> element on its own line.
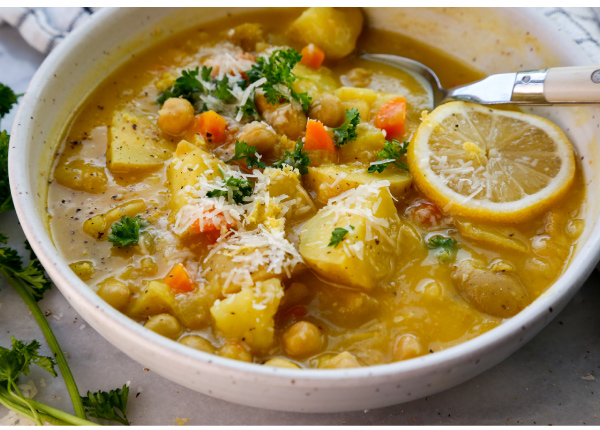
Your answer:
<point x="551" y="380"/>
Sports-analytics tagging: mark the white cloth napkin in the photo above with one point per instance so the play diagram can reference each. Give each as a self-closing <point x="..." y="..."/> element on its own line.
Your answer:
<point x="44" y="27"/>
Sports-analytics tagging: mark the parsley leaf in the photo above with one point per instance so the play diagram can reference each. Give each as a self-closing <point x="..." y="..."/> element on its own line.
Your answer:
<point x="277" y="70"/>
<point x="126" y="232"/>
<point x="186" y="86"/>
<point x="107" y="406"/>
<point x="445" y="247"/>
<point x="7" y="99"/>
<point x="3" y="238"/>
<point x="391" y="151"/>
<point x="238" y="188"/>
<point x="338" y="234"/>
<point x="298" y="159"/>
<point x="33" y="275"/>
<point x="243" y="151"/>
<point x="6" y="202"/>
<point x="18" y="360"/>
<point x="222" y="90"/>
<point x="347" y="131"/>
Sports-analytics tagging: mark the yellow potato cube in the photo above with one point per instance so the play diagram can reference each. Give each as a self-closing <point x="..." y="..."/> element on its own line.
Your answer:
<point x="248" y="315"/>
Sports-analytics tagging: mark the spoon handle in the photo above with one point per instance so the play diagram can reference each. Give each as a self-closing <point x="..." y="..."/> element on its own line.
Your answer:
<point x="558" y="85"/>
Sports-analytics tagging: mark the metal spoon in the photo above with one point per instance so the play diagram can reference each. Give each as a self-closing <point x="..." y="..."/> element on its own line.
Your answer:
<point x="556" y="85"/>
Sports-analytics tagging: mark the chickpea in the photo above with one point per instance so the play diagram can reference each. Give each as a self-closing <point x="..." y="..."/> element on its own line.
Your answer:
<point x="329" y="110"/>
<point x="176" y="116"/>
<point x="235" y="351"/>
<point x="84" y="269"/>
<point x="165" y="324"/>
<point x="286" y="118"/>
<point x="406" y="346"/>
<point x="115" y="293"/>
<point x="280" y="362"/>
<point x="344" y="360"/>
<point x="302" y="339"/>
<point x="259" y="135"/>
<point x="197" y="342"/>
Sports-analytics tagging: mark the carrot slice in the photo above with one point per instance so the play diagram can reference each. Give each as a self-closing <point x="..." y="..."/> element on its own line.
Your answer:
<point x="317" y="137"/>
<point x="179" y="280"/>
<point x="312" y="56"/>
<point x="211" y="126"/>
<point x="391" y="117"/>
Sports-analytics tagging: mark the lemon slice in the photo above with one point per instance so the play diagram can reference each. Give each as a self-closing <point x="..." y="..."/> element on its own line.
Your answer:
<point x="490" y="164"/>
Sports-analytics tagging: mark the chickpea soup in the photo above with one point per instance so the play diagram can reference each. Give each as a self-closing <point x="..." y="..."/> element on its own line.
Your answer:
<point x="254" y="189"/>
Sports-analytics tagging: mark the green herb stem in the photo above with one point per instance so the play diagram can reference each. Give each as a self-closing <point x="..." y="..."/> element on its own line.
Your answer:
<point x="8" y="403"/>
<point x="52" y="342"/>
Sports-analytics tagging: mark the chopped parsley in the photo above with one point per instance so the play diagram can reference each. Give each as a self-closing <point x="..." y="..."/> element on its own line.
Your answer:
<point x="445" y="246"/>
<point x="392" y="151"/>
<point x="126" y="232"/>
<point x="237" y="189"/>
<point x="222" y="90"/>
<point x="298" y="159"/>
<point x="338" y="235"/>
<point x="187" y="86"/>
<point x="277" y="70"/>
<point x="347" y="131"/>
<point x="244" y="151"/>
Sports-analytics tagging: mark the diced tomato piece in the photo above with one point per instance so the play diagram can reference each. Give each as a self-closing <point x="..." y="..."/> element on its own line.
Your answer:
<point x="179" y="280"/>
<point x="391" y="117"/>
<point x="211" y="126"/>
<point x="317" y="137"/>
<point x="312" y="56"/>
<point x="425" y="213"/>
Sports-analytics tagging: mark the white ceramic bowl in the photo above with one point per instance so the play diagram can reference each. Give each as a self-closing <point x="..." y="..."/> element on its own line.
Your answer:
<point x="497" y="40"/>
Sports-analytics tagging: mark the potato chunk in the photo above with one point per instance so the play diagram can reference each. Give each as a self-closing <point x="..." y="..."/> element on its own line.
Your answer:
<point x="188" y="164"/>
<point x="134" y="144"/>
<point x="99" y="225"/>
<point x="314" y="82"/>
<point x="330" y="180"/>
<point x="246" y="35"/>
<point x="499" y="294"/>
<point x="364" y="149"/>
<point x="155" y="299"/>
<point x="248" y="315"/>
<point x="81" y="176"/>
<point x="366" y="254"/>
<point x="334" y="30"/>
<point x="286" y="197"/>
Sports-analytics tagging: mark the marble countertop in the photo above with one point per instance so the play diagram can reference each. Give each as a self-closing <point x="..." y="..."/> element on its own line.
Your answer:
<point x="550" y="380"/>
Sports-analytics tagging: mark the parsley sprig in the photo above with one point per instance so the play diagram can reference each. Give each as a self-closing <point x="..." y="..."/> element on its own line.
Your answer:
<point x="347" y="131"/>
<point x="237" y="189"/>
<point x="445" y="247"/>
<point x="248" y="153"/>
<point x="126" y="232"/>
<point x="393" y="150"/>
<point x="110" y="406"/>
<point x="298" y="159"/>
<point x="187" y="86"/>
<point x="338" y="235"/>
<point x="277" y="70"/>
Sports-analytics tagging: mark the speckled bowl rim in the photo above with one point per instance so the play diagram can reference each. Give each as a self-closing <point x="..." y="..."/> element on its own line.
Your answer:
<point x="538" y="314"/>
